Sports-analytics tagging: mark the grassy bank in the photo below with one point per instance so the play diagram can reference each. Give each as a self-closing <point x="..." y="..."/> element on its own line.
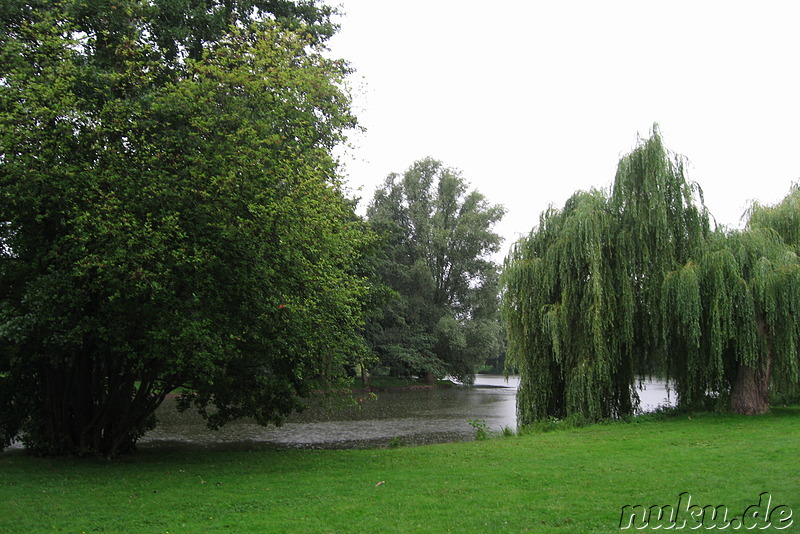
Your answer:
<point x="573" y="481"/>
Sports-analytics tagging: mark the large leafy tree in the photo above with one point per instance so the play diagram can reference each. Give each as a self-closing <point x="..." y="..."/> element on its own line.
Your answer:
<point x="732" y="316"/>
<point x="633" y="281"/>
<point x="581" y="291"/>
<point x="171" y="216"/>
<point x="435" y="259"/>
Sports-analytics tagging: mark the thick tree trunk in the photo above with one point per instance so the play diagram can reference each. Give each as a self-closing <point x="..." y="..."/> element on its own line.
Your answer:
<point x="429" y="378"/>
<point x="82" y="416"/>
<point x="750" y="393"/>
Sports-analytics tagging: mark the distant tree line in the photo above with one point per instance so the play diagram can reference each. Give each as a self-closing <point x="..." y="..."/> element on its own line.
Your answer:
<point x="438" y="314"/>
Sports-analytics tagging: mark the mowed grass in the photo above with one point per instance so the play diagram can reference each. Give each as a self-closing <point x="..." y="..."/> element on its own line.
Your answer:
<point x="573" y="481"/>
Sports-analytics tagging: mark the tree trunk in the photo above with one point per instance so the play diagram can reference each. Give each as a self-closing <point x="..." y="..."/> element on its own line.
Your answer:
<point x="429" y="378"/>
<point x="750" y="393"/>
<point x="82" y="416"/>
<point x="365" y="376"/>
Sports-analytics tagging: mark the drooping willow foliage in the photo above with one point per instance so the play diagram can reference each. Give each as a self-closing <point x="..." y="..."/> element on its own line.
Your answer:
<point x="634" y="281"/>
<point x="784" y="218"/>
<point x="780" y="294"/>
<point x="582" y="291"/>
<point x="662" y="224"/>
<point x="731" y="318"/>
<point x="561" y="289"/>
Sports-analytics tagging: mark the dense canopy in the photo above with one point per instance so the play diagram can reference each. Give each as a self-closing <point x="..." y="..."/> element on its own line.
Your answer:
<point x="440" y="315"/>
<point x="633" y="281"/>
<point x="172" y="216"/>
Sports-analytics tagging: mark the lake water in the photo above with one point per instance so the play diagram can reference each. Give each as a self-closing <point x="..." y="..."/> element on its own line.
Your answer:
<point x="413" y="417"/>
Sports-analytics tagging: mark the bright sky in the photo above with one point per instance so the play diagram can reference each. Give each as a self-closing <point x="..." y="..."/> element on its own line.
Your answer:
<point x="533" y="100"/>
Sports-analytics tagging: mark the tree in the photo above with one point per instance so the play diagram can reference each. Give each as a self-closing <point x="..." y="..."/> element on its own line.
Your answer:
<point x="173" y="217"/>
<point x="732" y="316"/>
<point x="437" y="236"/>
<point x="581" y="291"/>
<point x="633" y="281"/>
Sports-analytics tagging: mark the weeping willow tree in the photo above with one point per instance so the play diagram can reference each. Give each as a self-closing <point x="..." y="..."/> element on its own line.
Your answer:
<point x="581" y="293"/>
<point x="633" y="281"/>
<point x="558" y="292"/>
<point x="731" y="317"/>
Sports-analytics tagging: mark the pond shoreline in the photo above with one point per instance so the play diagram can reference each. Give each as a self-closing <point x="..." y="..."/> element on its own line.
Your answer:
<point x="356" y="417"/>
<point x="383" y="389"/>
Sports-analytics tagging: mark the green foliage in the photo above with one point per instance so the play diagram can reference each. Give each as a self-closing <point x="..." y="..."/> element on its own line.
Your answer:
<point x="440" y="311"/>
<point x="783" y="218"/>
<point x="579" y="301"/>
<point x="481" y="428"/>
<point x="168" y="222"/>
<point x="635" y="282"/>
<point x="508" y="432"/>
<point x="188" y="27"/>
<point x="737" y="312"/>
<point x="395" y="443"/>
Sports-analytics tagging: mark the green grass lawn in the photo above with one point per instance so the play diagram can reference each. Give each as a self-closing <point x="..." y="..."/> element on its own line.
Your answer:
<point x="574" y="481"/>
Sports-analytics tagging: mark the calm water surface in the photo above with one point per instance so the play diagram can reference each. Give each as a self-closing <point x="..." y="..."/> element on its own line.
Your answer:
<point x="414" y="417"/>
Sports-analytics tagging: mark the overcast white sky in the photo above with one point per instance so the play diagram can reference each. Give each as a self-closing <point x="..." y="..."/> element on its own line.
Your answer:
<point x="534" y="100"/>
